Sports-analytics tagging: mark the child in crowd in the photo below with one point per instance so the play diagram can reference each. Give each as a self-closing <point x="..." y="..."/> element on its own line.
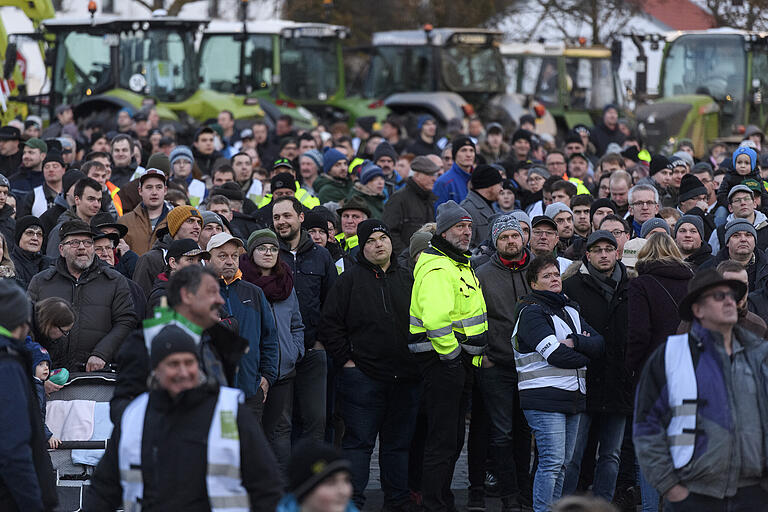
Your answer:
<point x="41" y="367"/>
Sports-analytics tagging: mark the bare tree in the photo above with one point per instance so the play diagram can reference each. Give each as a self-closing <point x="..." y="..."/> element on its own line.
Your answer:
<point x="746" y="14"/>
<point x="174" y="7"/>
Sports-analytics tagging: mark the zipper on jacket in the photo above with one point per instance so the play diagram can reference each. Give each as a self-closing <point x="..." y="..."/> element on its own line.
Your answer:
<point x="279" y="348"/>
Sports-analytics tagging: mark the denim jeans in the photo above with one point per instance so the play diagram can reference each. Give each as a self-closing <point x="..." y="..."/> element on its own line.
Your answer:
<point x="278" y="411"/>
<point x="309" y="396"/>
<point x="369" y="408"/>
<point x="556" y="435"/>
<point x="510" y="436"/>
<point x="610" y="433"/>
<point x="649" y="494"/>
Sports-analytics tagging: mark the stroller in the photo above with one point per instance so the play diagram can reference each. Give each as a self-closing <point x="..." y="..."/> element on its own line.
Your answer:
<point x="75" y="459"/>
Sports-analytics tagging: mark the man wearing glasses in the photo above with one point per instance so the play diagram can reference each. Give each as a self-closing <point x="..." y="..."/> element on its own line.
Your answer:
<point x="26" y="254"/>
<point x="544" y="240"/>
<point x="742" y="205"/>
<point x="100" y="296"/>
<point x="643" y="205"/>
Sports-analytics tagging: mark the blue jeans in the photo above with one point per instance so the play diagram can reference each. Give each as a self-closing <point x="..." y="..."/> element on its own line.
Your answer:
<point x="610" y="434"/>
<point x="373" y="407"/>
<point x="648" y="493"/>
<point x="555" y="434"/>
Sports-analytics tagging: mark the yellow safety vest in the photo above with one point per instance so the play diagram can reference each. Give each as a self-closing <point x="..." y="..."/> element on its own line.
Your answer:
<point x="448" y="311"/>
<point x="302" y="195"/>
<point x="347" y="244"/>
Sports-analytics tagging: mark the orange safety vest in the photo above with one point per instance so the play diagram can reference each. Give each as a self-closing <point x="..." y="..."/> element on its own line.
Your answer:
<point x="113" y="190"/>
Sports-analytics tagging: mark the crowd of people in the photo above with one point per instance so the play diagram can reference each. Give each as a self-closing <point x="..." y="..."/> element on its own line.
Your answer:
<point x="276" y="302"/>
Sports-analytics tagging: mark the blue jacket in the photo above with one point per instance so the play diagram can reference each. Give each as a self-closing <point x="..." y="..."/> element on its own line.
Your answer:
<point x="290" y="334"/>
<point x="451" y="185"/>
<point x="19" y="484"/>
<point x="247" y="303"/>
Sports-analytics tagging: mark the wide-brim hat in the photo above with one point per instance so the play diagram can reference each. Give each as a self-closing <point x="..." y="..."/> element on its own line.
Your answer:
<point x="355" y="203"/>
<point x="701" y="282"/>
<point x="104" y="220"/>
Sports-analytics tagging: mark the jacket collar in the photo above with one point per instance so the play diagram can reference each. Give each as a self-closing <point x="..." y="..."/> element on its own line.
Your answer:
<point x="440" y="245"/>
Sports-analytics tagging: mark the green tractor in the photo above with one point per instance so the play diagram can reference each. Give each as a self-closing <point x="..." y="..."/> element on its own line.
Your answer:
<point x="103" y="64"/>
<point x="299" y="66"/>
<point x="450" y="73"/>
<point x="574" y="83"/>
<point x="712" y="86"/>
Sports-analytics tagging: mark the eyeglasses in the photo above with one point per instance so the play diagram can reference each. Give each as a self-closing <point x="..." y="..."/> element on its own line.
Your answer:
<point x="77" y="243"/>
<point x="64" y="332"/>
<point x="34" y="232"/>
<point x="644" y="204"/>
<point x="267" y="249"/>
<point x="618" y="232"/>
<point x="720" y="296"/>
<point x="741" y="200"/>
<point x="541" y="232"/>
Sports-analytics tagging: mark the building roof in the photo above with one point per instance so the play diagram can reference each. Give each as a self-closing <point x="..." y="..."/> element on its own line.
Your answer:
<point x="678" y="14"/>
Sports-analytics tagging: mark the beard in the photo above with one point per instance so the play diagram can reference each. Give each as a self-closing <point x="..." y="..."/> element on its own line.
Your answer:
<point x="81" y="262"/>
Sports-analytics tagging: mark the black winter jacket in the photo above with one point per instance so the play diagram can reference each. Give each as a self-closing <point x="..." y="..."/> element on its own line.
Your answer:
<point x="406" y="211"/>
<point x="8" y="225"/>
<point x="174" y="445"/>
<point x="757" y="269"/>
<point x="28" y="264"/>
<point x="609" y="384"/>
<point x="366" y="319"/>
<point x="534" y="312"/>
<point x="502" y="288"/>
<point x="314" y="273"/>
<point x="104" y="313"/>
<point x="151" y="263"/>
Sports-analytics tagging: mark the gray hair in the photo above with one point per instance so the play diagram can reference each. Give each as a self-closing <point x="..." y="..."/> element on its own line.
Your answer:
<point x="647" y="188"/>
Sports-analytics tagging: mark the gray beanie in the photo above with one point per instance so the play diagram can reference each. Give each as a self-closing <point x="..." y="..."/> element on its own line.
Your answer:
<point x="555" y="208"/>
<point x="737" y="225"/>
<point x="449" y="214"/>
<point x="521" y="217"/>
<point x="212" y="218"/>
<point x="540" y="171"/>
<point x="690" y="219"/>
<point x="181" y="152"/>
<point x="684" y="156"/>
<point x="17" y="309"/>
<point x="504" y="223"/>
<point x="654" y="223"/>
<point x="316" y="157"/>
<point x="419" y="242"/>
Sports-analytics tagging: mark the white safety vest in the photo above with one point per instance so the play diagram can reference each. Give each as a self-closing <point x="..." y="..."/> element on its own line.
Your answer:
<point x="223" y="481"/>
<point x="40" y="205"/>
<point x="533" y="370"/>
<point x="682" y="393"/>
<point x="196" y="192"/>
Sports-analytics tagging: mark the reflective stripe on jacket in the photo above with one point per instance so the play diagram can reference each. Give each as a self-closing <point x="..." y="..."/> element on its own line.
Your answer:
<point x="448" y="310"/>
<point x="223" y="480"/>
<point x="683" y="395"/>
<point x="113" y="190"/>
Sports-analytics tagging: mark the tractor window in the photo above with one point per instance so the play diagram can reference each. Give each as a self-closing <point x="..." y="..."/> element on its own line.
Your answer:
<point x="590" y="83"/>
<point x="473" y="68"/>
<point x="759" y="90"/>
<point x="511" y="67"/>
<point x="82" y="67"/>
<point x="309" y="67"/>
<point x="399" y="69"/>
<point x="158" y="63"/>
<point x="700" y="64"/>
<point x="540" y="79"/>
<point x="220" y="63"/>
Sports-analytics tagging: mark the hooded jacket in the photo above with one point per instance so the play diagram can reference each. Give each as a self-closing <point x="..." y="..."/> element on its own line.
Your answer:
<point x="481" y="212"/>
<point x="314" y="273"/>
<point x="406" y="211"/>
<point x="375" y="202"/>
<point x="28" y="264"/>
<point x="654" y="296"/>
<point x="609" y="384"/>
<point x="502" y="288"/>
<point x="717" y="238"/>
<point x="365" y="319"/>
<point x="103" y="310"/>
<point x="451" y="185"/>
<point x="247" y="303"/>
<point x="328" y="189"/>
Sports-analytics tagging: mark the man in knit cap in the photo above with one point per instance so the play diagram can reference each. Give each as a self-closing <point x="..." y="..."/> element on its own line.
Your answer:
<point x="740" y="240"/>
<point x="486" y="185"/>
<point x="334" y="184"/>
<point x="692" y="200"/>
<point x="689" y="237"/>
<point x="503" y="282"/>
<point x="448" y="335"/>
<point x="385" y="157"/>
<point x="182" y="222"/>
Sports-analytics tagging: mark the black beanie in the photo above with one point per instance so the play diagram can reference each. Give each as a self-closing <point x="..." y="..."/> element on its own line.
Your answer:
<point x="603" y="202"/>
<point x="70" y="178"/>
<point x="311" y="463"/>
<point x="23" y="223"/>
<point x="459" y="142"/>
<point x="523" y="134"/>
<point x="658" y="162"/>
<point x="170" y="340"/>
<point x="690" y="187"/>
<point x="368" y="227"/>
<point x="485" y="176"/>
<point x="54" y="156"/>
<point x="314" y="219"/>
<point x="573" y="137"/>
<point x="282" y="180"/>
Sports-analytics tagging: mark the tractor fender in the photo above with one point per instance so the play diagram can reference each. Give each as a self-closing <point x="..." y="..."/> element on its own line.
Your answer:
<point x="443" y="105"/>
